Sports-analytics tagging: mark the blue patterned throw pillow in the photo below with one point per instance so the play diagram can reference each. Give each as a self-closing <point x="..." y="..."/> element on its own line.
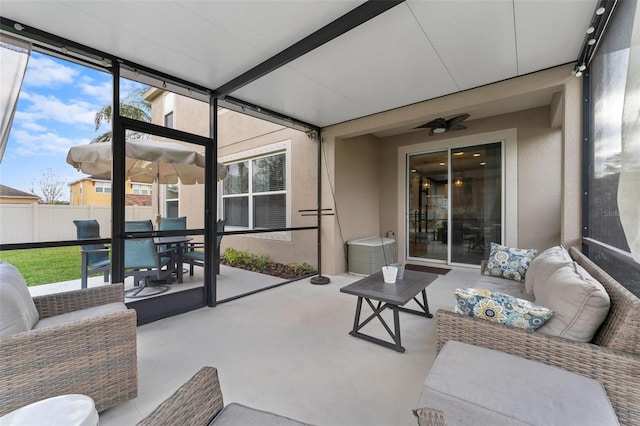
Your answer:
<point x="500" y="308"/>
<point x="508" y="262"/>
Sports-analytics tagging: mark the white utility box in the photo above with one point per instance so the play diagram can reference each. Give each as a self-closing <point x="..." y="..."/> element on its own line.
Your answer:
<point x="365" y="255"/>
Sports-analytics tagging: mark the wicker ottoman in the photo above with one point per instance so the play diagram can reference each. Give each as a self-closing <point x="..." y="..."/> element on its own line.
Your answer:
<point x="474" y="385"/>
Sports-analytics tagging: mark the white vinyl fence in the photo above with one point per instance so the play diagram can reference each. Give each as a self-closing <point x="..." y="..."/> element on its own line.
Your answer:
<point x="30" y="223"/>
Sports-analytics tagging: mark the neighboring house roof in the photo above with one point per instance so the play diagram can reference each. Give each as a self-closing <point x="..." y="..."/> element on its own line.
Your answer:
<point x="7" y="191"/>
<point x="93" y="178"/>
<point x="137" y="200"/>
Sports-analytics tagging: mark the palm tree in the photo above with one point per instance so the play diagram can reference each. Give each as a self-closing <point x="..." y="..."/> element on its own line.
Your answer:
<point x="133" y="106"/>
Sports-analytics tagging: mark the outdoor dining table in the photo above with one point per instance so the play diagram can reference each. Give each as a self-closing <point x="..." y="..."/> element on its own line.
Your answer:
<point x="179" y="243"/>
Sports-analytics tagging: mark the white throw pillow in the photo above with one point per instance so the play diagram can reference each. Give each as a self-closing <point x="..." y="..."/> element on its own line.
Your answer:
<point x="579" y="301"/>
<point x="18" y="313"/>
<point x="544" y="265"/>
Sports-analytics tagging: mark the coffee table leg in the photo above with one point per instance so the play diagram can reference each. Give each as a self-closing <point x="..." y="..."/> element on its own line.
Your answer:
<point x="396" y="326"/>
<point x="356" y="320"/>
<point x="395" y="334"/>
<point x="426" y="303"/>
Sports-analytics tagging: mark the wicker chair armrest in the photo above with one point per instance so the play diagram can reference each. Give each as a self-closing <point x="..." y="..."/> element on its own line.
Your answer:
<point x="69" y="301"/>
<point x="95" y="357"/>
<point x="195" y="403"/>
<point x="429" y="417"/>
<point x="618" y="371"/>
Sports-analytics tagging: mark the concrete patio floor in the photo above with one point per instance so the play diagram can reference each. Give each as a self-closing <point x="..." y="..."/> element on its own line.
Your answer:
<point x="288" y="350"/>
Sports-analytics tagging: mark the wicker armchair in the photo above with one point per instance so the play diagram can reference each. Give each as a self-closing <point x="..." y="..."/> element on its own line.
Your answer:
<point x="199" y="402"/>
<point x="612" y="357"/>
<point x="96" y="356"/>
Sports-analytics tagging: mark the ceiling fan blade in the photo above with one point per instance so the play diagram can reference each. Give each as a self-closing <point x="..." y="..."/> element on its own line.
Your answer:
<point x="457" y="127"/>
<point x="438" y="122"/>
<point x="457" y="119"/>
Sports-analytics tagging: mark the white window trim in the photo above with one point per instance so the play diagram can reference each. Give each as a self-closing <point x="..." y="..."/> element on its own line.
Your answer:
<point x="509" y="139"/>
<point x="102" y="184"/>
<point x="140" y="186"/>
<point x="263" y="151"/>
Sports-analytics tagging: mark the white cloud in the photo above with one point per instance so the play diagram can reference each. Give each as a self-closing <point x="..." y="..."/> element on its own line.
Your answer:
<point x="30" y="125"/>
<point x="43" y="144"/>
<point x="51" y="108"/>
<point x="101" y="92"/>
<point x="45" y="72"/>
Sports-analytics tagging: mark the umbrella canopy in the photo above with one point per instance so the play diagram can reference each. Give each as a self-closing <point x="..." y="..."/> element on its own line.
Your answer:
<point x="147" y="161"/>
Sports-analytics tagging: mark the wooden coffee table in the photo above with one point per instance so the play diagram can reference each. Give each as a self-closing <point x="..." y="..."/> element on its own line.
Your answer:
<point x="389" y="296"/>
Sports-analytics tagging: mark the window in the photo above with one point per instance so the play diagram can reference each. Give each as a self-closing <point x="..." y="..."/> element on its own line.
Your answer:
<point x="168" y="102"/>
<point x="141" y="188"/>
<point x="103" y="187"/>
<point x="255" y="193"/>
<point x="172" y="195"/>
<point x="168" y="120"/>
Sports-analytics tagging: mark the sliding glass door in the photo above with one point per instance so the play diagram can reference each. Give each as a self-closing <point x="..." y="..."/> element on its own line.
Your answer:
<point x="427" y="211"/>
<point x="455" y="203"/>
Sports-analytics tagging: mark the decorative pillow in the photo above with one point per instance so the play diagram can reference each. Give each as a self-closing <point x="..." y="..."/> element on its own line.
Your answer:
<point x="500" y="308"/>
<point x="18" y="313"/>
<point x="508" y="262"/>
<point x="544" y="265"/>
<point x="580" y="302"/>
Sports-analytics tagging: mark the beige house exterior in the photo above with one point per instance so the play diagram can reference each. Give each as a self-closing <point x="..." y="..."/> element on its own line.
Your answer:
<point x="537" y="117"/>
<point x="241" y="138"/>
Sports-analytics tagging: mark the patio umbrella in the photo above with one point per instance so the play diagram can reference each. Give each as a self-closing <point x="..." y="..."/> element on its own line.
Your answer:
<point x="147" y="161"/>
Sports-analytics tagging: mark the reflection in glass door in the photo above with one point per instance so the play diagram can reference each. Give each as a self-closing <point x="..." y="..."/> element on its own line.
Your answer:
<point x="455" y="223"/>
<point x="428" y="200"/>
<point x="476" y="202"/>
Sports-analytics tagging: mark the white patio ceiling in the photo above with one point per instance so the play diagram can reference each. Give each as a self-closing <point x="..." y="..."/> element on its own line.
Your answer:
<point x="415" y="51"/>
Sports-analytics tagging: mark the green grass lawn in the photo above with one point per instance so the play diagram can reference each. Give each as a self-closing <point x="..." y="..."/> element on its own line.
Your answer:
<point x="46" y="265"/>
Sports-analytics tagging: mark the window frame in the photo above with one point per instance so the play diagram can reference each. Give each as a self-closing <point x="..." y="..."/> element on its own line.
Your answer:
<point x="102" y="185"/>
<point x="283" y="147"/>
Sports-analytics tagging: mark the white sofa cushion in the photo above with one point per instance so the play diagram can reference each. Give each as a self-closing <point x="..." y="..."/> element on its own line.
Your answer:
<point x="510" y="287"/>
<point x="544" y="265"/>
<point x="579" y="301"/>
<point x="18" y="313"/>
<point x="479" y="386"/>
<point x="81" y="314"/>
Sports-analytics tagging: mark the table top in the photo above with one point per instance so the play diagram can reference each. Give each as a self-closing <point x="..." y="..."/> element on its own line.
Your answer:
<point x="63" y="410"/>
<point x="172" y="240"/>
<point x="398" y="293"/>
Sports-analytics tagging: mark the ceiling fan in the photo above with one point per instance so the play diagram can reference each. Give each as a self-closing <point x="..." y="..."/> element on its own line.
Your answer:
<point x="440" y="125"/>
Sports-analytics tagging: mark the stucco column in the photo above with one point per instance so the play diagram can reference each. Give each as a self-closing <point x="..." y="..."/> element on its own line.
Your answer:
<point x="571" y="220"/>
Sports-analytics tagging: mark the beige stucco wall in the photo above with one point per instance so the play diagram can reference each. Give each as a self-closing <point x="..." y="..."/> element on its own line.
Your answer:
<point x="548" y="160"/>
<point x="241" y="137"/>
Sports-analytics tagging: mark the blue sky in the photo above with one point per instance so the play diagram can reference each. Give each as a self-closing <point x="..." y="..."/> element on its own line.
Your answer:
<point x="56" y="110"/>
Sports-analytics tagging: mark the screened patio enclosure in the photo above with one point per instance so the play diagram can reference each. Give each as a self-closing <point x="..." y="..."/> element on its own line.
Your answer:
<point x="337" y="67"/>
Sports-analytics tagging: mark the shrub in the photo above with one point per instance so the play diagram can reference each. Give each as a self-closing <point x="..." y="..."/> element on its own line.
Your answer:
<point x="264" y="265"/>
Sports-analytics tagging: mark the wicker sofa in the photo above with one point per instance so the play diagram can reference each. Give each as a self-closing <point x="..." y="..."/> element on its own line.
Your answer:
<point x="612" y="357"/>
<point x="77" y="342"/>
